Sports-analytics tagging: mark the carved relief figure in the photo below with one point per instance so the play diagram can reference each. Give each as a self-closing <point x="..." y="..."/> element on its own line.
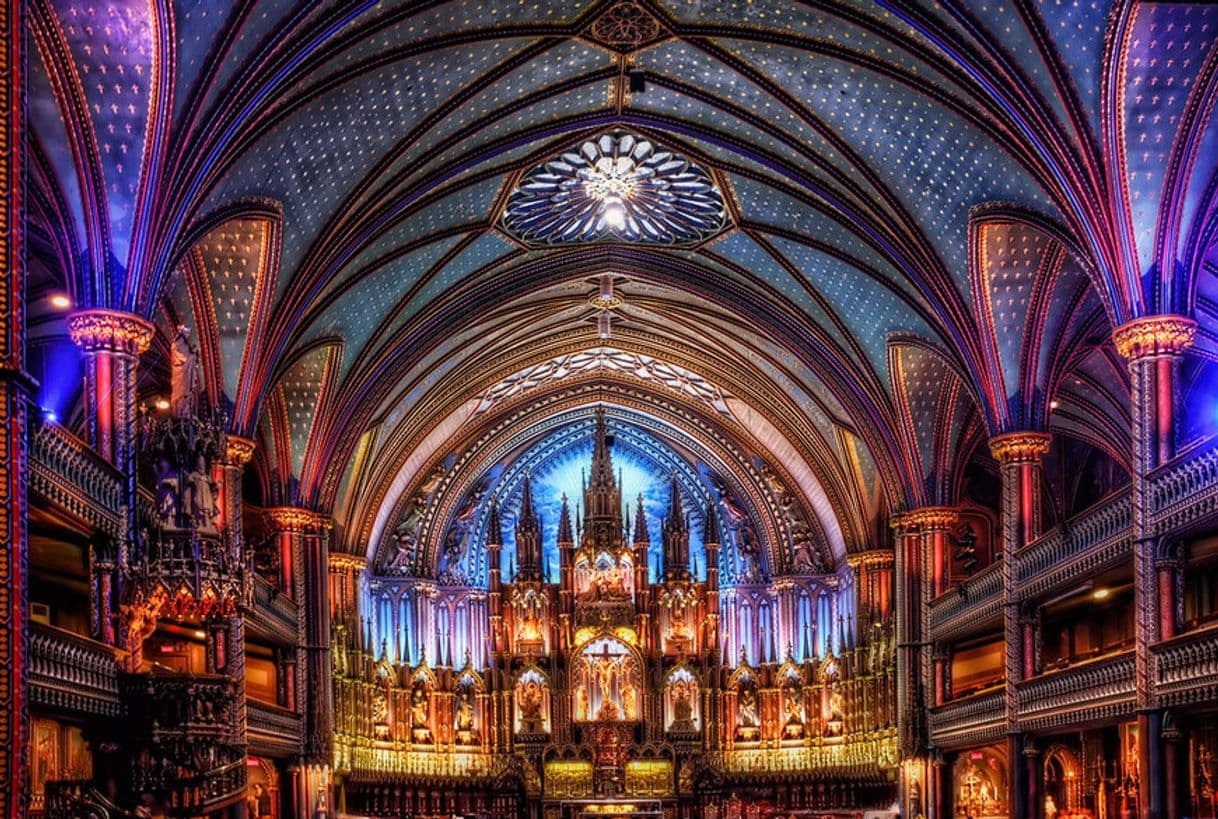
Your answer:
<point x="419" y="717"/>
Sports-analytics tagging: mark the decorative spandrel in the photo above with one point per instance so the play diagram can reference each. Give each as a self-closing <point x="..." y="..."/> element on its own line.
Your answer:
<point x="616" y="187"/>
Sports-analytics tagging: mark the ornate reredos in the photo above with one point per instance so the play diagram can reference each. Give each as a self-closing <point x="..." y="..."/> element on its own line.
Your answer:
<point x="454" y="495"/>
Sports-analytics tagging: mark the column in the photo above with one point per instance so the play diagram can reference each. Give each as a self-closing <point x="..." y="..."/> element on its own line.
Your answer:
<point x="1019" y="456"/>
<point x="14" y="389"/>
<point x="1152" y="346"/>
<point x="921" y="547"/>
<point x="237" y="454"/>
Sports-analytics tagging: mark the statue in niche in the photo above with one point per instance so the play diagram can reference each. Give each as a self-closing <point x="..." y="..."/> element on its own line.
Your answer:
<point x="529" y="699"/>
<point x="185" y="380"/>
<point x="837" y="709"/>
<point x="467" y="728"/>
<point x="380" y="716"/>
<point x="630" y="706"/>
<point x="581" y="704"/>
<point x="199" y="497"/>
<point x="167" y="494"/>
<point x="748" y="723"/>
<point x="794" y="729"/>
<point x="420" y="719"/>
<point x="682" y="706"/>
<point x="454" y="552"/>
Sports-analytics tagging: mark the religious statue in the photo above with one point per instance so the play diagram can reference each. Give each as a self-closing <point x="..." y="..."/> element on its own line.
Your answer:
<point x="380" y="716"/>
<point x="419" y="717"/>
<point x="630" y="706"/>
<point x="806" y="558"/>
<point x="682" y="707"/>
<point x="581" y="704"/>
<point x="749" y="549"/>
<point x="746" y="709"/>
<point x="793" y="701"/>
<point x="467" y="729"/>
<point x="406" y="541"/>
<point x="530" y="702"/>
<point x="199" y="497"/>
<point x="185" y="380"/>
<point x="837" y="707"/>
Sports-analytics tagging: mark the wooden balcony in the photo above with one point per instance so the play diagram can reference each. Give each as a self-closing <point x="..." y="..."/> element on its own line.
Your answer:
<point x="68" y="475"/>
<point x="974" y="720"/>
<point x="273" y="616"/>
<point x="1087" y="692"/>
<point x="272" y="730"/>
<point x="969" y="607"/>
<point x="1186" y="668"/>
<point x="1184" y="492"/>
<point x="71" y="674"/>
<point x="1083" y="546"/>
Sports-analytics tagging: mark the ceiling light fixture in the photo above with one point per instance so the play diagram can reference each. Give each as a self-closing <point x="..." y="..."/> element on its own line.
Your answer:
<point x="60" y="301"/>
<point x="1101" y="594"/>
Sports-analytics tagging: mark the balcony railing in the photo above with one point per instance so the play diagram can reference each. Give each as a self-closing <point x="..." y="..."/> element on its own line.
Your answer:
<point x="272" y="729"/>
<point x="969" y="606"/>
<point x="274" y="616"/>
<point x="69" y="474"/>
<point x="72" y="673"/>
<point x="972" y="720"/>
<point x="1184" y="492"/>
<point x="1080" y="547"/>
<point x="1186" y="668"/>
<point x="1096" y="689"/>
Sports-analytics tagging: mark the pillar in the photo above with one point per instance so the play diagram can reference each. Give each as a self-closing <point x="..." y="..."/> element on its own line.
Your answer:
<point x="921" y="550"/>
<point x="1020" y="456"/>
<point x="1152" y="346"/>
<point x="15" y="387"/>
<point x="308" y="533"/>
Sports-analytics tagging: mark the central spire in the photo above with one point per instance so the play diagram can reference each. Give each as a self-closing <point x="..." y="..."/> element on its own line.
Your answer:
<point x="602" y="494"/>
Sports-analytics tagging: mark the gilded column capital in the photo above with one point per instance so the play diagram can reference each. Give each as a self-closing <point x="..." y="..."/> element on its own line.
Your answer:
<point x="239" y="450"/>
<point x="297" y="519"/>
<point x="1020" y="447"/>
<point x="926" y="518"/>
<point x="110" y="330"/>
<point x="346" y="562"/>
<point x="872" y="559"/>
<point x="1154" y="336"/>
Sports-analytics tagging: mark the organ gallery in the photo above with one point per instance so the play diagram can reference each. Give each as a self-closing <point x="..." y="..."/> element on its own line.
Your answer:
<point x="651" y="409"/>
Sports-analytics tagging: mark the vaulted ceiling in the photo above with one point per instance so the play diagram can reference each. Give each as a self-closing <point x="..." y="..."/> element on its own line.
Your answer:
<point x="933" y="215"/>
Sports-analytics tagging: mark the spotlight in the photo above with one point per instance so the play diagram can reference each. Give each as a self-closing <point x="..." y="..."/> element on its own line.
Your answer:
<point x="1101" y="594"/>
<point x="60" y="301"/>
<point x="201" y="635"/>
<point x="162" y="404"/>
<point x="49" y="415"/>
<point x="1053" y="404"/>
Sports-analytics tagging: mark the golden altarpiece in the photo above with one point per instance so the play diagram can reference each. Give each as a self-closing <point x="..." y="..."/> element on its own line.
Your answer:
<point x="622" y="686"/>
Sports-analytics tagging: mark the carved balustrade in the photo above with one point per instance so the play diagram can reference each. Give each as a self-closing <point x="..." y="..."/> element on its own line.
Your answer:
<point x="969" y="606"/>
<point x="273" y="615"/>
<point x="78" y="799"/>
<point x="1187" y="668"/>
<point x="272" y="729"/>
<point x="1081" y="547"/>
<point x="858" y="756"/>
<point x="71" y="673"/>
<point x="188" y="747"/>
<point x="67" y="473"/>
<point x="1097" y="689"/>
<point x="1184" y="492"/>
<point x="972" y="720"/>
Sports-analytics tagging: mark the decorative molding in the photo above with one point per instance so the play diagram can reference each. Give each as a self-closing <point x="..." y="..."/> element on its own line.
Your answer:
<point x="297" y="520"/>
<point x="110" y="331"/>
<point x="341" y="561"/>
<point x="925" y="519"/>
<point x="239" y="450"/>
<point x="1020" y="447"/>
<point x="1154" y="336"/>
